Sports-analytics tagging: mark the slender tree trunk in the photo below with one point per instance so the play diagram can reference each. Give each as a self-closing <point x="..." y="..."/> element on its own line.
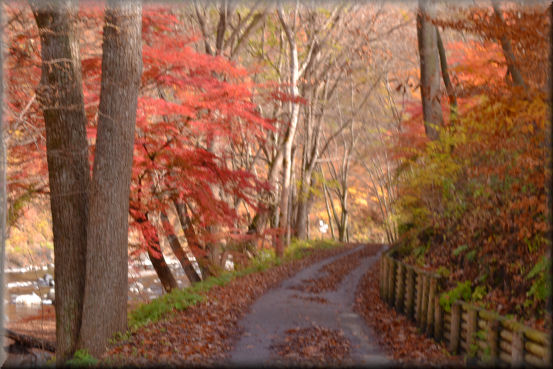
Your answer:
<point x="345" y="218"/>
<point x="187" y="227"/>
<point x="445" y="75"/>
<point x="190" y="234"/>
<point x="155" y="254"/>
<point x="514" y="72"/>
<point x="430" y="72"/>
<point x="191" y="274"/>
<point x="292" y="196"/>
<point x="163" y="272"/>
<point x="305" y="201"/>
<point x="291" y="132"/>
<point x="263" y="214"/>
<point x="105" y="302"/>
<point x="327" y="196"/>
<point x="61" y="98"/>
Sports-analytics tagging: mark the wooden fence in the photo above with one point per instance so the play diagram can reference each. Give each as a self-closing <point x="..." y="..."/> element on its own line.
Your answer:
<point x="467" y="329"/>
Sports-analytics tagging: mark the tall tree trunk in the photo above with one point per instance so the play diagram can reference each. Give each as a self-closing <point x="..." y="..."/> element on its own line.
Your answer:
<point x="191" y="274"/>
<point x="61" y="98"/>
<point x="290" y="134"/>
<point x="430" y="72"/>
<point x="105" y="302"/>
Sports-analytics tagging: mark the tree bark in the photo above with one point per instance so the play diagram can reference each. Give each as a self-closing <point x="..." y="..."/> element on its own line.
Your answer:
<point x="105" y="300"/>
<point x="61" y="98"/>
<point x="191" y="274"/>
<point x="190" y="234"/>
<point x="430" y="72"/>
<point x="445" y="76"/>
<point x="290" y="134"/>
<point x="305" y="202"/>
<point x="156" y="257"/>
<point x="262" y="215"/>
<point x="187" y="227"/>
<point x="516" y="76"/>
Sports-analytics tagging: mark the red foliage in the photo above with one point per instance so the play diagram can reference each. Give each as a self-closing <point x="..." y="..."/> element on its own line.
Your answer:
<point x="192" y="108"/>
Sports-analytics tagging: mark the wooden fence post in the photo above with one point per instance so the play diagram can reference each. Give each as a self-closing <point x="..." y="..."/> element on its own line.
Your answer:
<point x="410" y="287"/>
<point x="419" y="298"/>
<point x="391" y="276"/>
<point x="493" y="341"/>
<point x="455" y="335"/>
<point x="431" y="296"/>
<point x="438" y="319"/>
<point x="386" y="282"/>
<point x="424" y="303"/>
<point x="547" y="357"/>
<point x="472" y="321"/>
<point x="380" y="274"/>
<point x="517" y="349"/>
<point x="400" y="292"/>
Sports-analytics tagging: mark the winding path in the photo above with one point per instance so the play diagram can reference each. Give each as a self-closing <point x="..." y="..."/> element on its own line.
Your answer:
<point x="284" y="308"/>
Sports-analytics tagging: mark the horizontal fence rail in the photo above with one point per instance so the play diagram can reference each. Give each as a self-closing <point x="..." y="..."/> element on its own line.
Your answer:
<point x="466" y="328"/>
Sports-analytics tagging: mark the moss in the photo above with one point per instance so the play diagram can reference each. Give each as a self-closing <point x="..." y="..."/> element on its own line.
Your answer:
<point x="81" y="358"/>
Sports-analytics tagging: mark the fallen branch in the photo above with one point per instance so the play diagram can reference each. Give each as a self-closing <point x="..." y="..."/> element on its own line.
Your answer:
<point x="30" y="341"/>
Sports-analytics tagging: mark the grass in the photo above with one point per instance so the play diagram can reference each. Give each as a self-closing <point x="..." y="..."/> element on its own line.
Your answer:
<point x="80" y="359"/>
<point x="180" y="299"/>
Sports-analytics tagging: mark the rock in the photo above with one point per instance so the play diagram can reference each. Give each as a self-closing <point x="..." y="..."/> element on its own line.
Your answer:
<point x="32" y="299"/>
<point x="49" y="279"/>
<point x="46" y="280"/>
<point x="51" y="295"/>
<point x="136" y="287"/>
<point x="42" y="283"/>
<point x="229" y="264"/>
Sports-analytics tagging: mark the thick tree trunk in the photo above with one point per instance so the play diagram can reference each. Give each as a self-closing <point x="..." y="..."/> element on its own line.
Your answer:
<point x="105" y="300"/>
<point x="430" y="72"/>
<point x="61" y="98"/>
<point x="191" y="274"/>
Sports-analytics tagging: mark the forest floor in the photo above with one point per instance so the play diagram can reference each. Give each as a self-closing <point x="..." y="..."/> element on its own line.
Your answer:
<point x="320" y="310"/>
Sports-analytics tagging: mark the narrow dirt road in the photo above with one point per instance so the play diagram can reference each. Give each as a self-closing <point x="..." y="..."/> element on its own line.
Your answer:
<point x="309" y="318"/>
